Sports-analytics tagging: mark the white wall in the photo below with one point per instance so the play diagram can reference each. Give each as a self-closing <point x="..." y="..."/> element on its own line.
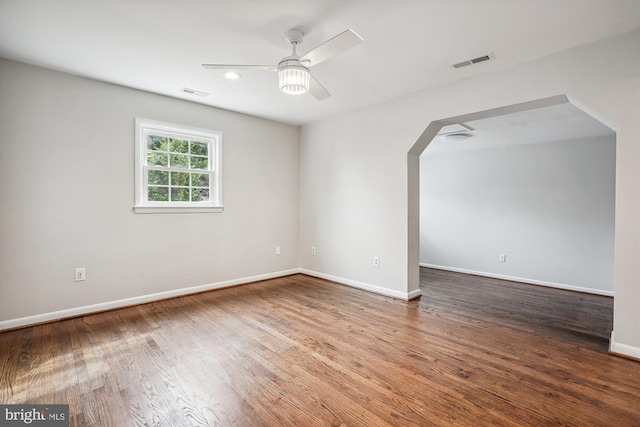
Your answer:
<point x="549" y="207"/>
<point x="66" y="197"/>
<point x="359" y="172"/>
<point x="347" y="209"/>
<point x="358" y="185"/>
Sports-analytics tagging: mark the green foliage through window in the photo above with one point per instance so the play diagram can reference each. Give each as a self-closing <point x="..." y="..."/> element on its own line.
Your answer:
<point x="169" y="162"/>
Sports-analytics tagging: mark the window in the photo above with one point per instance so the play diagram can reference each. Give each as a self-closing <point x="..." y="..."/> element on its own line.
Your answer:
<point x="177" y="168"/>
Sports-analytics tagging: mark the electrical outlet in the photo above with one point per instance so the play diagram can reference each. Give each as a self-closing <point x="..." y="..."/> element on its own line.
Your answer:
<point x="376" y="261"/>
<point x="313" y="250"/>
<point x="503" y="258"/>
<point x="81" y="274"/>
<point x="277" y="250"/>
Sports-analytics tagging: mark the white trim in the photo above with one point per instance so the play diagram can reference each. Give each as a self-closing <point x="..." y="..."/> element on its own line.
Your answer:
<point x="623" y="349"/>
<point x="142" y="299"/>
<point x="127" y="302"/>
<point x="406" y="296"/>
<point x="213" y="138"/>
<point x="416" y="293"/>
<point x="521" y="280"/>
<point x="177" y="209"/>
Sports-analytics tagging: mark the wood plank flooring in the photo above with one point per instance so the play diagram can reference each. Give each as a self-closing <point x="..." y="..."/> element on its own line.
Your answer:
<point x="585" y="319"/>
<point x="300" y="351"/>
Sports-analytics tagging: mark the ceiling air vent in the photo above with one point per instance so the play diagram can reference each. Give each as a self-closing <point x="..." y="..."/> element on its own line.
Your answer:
<point x="193" y="92"/>
<point x="455" y="128"/>
<point x="472" y="61"/>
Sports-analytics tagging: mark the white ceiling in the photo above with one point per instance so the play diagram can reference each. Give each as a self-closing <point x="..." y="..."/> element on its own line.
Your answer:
<point x="158" y="45"/>
<point x="561" y="122"/>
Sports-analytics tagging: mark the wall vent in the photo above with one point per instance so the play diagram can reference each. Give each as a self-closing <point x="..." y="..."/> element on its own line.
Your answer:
<point x="193" y="92"/>
<point x="472" y="61"/>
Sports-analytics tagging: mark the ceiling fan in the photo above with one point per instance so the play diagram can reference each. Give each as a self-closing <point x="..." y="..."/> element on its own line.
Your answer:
<point x="294" y="76"/>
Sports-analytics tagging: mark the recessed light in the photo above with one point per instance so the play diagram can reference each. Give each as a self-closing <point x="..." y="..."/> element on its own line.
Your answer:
<point x="231" y="75"/>
<point x="459" y="136"/>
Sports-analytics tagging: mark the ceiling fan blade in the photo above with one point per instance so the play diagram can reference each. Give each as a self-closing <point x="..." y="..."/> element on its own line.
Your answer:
<point x="317" y="90"/>
<point x="343" y="41"/>
<point x="240" y="67"/>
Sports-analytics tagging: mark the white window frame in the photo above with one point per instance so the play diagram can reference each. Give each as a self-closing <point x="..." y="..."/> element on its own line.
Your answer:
<point x="145" y="127"/>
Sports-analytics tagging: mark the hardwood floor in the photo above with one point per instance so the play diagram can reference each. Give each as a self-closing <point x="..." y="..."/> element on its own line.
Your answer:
<point x="300" y="351"/>
<point x="584" y="319"/>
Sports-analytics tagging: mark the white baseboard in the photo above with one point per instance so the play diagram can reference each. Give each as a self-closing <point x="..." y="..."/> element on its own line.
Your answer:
<point x="127" y="302"/>
<point x="95" y="308"/>
<point x="520" y="279"/>
<point x="406" y="296"/>
<point x="623" y="349"/>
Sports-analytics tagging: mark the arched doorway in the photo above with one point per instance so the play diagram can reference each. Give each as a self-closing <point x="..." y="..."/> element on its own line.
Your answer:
<point x="463" y="236"/>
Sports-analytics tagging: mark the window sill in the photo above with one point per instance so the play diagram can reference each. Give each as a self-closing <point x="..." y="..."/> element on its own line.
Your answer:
<point x="177" y="209"/>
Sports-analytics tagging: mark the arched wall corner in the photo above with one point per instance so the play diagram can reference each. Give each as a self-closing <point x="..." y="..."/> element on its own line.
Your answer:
<point x="413" y="197"/>
<point x="413" y="168"/>
<point x="599" y="117"/>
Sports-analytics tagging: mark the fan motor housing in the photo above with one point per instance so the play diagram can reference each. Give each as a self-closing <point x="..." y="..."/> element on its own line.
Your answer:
<point x="290" y="62"/>
<point x="294" y="36"/>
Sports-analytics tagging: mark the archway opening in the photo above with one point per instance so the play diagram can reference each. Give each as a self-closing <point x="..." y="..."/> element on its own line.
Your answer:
<point x="524" y="193"/>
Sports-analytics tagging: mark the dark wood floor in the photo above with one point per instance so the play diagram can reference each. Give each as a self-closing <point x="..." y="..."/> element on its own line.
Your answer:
<point x="300" y="351"/>
<point x="584" y="319"/>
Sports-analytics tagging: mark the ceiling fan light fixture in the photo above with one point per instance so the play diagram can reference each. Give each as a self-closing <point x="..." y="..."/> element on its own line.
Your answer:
<point x="293" y="78"/>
